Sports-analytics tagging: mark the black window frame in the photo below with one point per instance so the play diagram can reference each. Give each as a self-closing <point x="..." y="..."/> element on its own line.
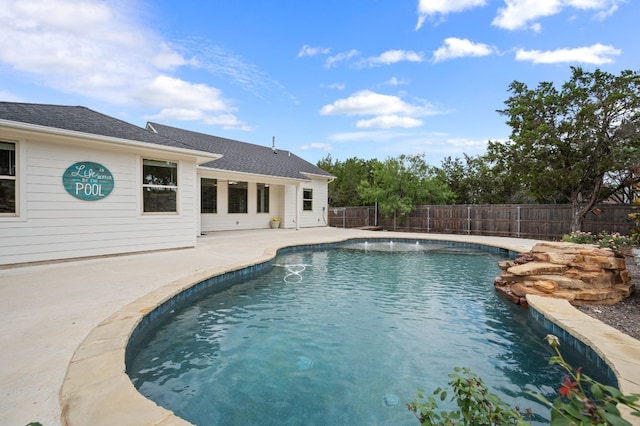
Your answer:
<point x="159" y="188"/>
<point x="208" y="195"/>
<point x="307" y="199"/>
<point x="262" y="198"/>
<point x="8" y="178"/>
<point x="237" y="196"/>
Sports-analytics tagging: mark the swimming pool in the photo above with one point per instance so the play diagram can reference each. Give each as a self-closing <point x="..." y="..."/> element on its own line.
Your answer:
<point x="339" y="336"/>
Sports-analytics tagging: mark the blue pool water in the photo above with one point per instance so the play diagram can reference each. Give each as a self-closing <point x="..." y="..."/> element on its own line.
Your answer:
<point x="343" y="336"/>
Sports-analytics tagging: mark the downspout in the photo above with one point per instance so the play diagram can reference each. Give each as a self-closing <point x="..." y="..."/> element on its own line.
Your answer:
<point x="298" y="205"/>
<point x="197" y="211"/>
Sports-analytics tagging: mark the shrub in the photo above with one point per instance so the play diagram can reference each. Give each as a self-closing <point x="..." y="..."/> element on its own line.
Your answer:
<point x="476" y="405"/>
<point x="613" y="241"/>
<point x="635" y="216"/>
<point x="580" y="237"/>
<point x="573" y="406"/>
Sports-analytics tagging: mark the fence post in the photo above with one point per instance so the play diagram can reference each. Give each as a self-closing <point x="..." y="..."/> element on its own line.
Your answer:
<point x="376" y="212"/>
<point x="518" y="227"/>
<point x="468" y="220"/>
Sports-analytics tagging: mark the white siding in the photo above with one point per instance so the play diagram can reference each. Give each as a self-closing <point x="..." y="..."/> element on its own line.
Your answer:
<point x="224" y="221"/>
<point x="317" y="216"/>
<point x="55" y="225"/>
<point x="293" y="201"/>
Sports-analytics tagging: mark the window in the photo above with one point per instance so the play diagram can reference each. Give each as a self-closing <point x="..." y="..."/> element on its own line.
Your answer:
<point x="159" y="186"/>
<point x="237" y="197"/>
<point x="7" y="177"/>
<point x="208" y="195"/>
<point x="263" y="198"/>
<point x="307" y="199"/>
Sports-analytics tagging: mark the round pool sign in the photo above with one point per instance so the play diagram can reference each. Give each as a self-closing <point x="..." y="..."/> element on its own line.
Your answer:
<point x="88" y="181"/>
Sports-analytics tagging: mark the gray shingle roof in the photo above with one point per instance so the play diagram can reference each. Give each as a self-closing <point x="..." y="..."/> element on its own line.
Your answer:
<point x="80" y="119"/>
<point x="237" y="156"/>
<point x="242" y="156"/>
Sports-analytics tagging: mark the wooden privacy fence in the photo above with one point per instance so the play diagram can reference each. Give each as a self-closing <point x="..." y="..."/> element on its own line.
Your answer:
<point x="535" y="221"/>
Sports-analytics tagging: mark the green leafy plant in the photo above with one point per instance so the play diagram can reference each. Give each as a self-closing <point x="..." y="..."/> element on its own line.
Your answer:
<point x="635" y="216"/>
<point x="613" y="241"/>
<point x="573" y="406"/>
<point x="579" y="237"/>
<point x="476" y="405"/>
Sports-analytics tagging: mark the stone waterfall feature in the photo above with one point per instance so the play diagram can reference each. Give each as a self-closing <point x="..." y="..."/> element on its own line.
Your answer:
<point x="580" y="273"/>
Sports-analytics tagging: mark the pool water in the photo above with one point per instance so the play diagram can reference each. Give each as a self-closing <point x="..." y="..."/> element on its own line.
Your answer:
<point x="343" y="336"/>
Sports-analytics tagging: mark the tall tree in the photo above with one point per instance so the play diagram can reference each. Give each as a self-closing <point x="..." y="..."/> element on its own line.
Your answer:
<point x="402" y="183"/>
<point x="565" y="141"/>
<point x="479" y="180"/>
<point x="343" y="190"/>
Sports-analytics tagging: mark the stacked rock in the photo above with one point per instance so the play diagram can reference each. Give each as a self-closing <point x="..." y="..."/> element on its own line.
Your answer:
<point x="580" y="273"/>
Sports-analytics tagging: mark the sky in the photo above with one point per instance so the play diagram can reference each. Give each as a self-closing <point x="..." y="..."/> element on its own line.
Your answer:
<point x="370" y="79"/>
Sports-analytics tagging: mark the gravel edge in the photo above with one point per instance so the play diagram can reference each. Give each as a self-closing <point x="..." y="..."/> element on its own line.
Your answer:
<point x="624" y="315"/>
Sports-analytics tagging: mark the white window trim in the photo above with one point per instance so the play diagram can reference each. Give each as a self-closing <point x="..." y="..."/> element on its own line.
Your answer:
<point x="307" y="199"/>
<point x="143" y="186"/>
<point x="20" y="179"/>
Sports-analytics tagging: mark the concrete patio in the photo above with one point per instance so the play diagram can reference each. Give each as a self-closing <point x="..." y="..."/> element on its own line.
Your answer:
<point x="64" y="325"/>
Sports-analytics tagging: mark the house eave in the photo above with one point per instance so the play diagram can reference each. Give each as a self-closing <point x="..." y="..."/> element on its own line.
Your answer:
<point x="251" y="177"/>
<point x="329" y="178"/>
<point x="26" y="129"/>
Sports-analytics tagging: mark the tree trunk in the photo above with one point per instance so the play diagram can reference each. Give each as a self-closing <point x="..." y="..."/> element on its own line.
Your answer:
<point x="577" y="218"/>
<point x="579" y="212"/>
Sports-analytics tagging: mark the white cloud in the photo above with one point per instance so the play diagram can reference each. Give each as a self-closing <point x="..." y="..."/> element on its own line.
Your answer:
<point x="389" y="121"/>
<point x="182" y="100"/>
<point x="336" y="86"/>
<point x="429" y="8"/>
<point x="466" y="143"/>
<point x="316" y="145"/>
<point x="169" y="59"/>
<point x="104" y="51"/>
<point x="394" y="81"/>
<point x="77" y="46"/>
<point x="226" y="121"/>
<point x="165" y="92"/>
<point x="597" y="54"/>
<point x="10" y="97"/>
<point x="393" y="56"/>
<point x="367" y="136"/>
<point x="342" y="56"/>
<point x="458" y="48"/>
<point x="518" y="14"/>
<point x="307" y="50"/>
<point x="367" y="102"/>
<point x="220" y="62"/>
<point x="386" y="111"/>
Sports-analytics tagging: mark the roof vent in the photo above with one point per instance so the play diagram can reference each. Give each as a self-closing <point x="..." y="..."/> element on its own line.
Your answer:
<point x="273" y="145"/>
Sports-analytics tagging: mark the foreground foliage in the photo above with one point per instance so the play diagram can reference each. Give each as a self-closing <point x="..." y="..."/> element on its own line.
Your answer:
<point x="573" y="406"/>
<point x="476" y="405"/>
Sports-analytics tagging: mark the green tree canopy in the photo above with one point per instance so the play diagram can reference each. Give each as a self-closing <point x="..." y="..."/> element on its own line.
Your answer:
<point x="400" y="184"/>
<point x="478" y="180"/>
<point x="343" y="190"/>
<point x="564" y="142"/>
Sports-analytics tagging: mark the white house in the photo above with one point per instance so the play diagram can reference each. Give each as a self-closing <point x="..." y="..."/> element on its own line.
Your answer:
<point x="77" y="183"/>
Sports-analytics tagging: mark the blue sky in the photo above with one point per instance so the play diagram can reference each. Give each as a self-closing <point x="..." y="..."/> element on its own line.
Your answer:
<point x="357" y="78"/>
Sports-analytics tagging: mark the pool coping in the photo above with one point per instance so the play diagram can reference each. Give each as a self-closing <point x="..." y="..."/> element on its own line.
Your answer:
<point x="96" y="389"/>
